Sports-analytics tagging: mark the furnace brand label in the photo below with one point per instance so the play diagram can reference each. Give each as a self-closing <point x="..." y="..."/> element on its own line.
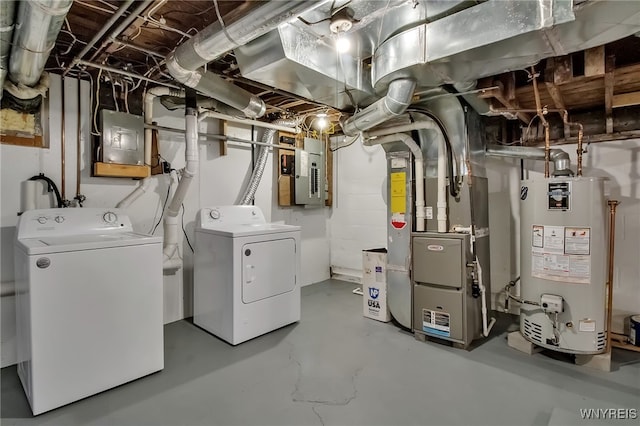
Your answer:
<point x="559" y="196"/>
<point x="560" y="253"/>
<point x="436" y="322"/>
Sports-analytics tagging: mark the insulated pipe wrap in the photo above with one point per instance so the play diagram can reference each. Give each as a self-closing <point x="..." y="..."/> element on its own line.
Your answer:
<point x="230" y="94"/>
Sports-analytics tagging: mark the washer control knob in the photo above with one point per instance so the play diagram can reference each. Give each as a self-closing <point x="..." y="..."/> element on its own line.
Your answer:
<point x="59" y="219"/>
<point x="42" y="220"/>
<point x="215" y="214"/>
<point x="110" y="217"/>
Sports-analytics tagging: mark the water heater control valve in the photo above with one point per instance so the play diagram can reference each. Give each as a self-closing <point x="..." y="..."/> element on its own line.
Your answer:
<point x="550" y="303"/>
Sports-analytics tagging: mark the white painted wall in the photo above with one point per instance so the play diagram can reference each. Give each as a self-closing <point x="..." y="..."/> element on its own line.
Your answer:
<point x="219" y="183"/>
<point x="359" y="216"/>
<point x="358" y="219"/>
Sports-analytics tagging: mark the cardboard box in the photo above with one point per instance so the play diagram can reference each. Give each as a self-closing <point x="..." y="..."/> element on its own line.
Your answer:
<point x="374" y="284"/>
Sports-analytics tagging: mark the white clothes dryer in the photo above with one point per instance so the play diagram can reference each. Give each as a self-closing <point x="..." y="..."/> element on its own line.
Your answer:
<point x="88" y="302"/>
<point x="246" y="273"/>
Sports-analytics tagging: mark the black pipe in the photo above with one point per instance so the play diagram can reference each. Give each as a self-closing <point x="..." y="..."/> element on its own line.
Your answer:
<point x="51" y="186"/>
<point x="453" y="186"/>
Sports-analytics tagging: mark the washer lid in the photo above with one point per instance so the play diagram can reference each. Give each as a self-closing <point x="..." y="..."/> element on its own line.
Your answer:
<point x="245" y="230"/>
<point x="68" y="243"/>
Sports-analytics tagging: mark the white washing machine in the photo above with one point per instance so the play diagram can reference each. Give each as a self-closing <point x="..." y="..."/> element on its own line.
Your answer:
<point x="89" y="304"/>
<point x="246" y="273"/>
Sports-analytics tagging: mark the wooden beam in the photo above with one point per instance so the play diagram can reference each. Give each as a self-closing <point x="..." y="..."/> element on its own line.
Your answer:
<point x="609" y="81"/>
<point x="502" y="97"/>
<point x="121" y="170"/>
<point x="556" y="95"/>
<point x="594" y="61"/>
<point x="222" y="129"/>
<point x="626" y="99"/>
<point x="562" y="69"/>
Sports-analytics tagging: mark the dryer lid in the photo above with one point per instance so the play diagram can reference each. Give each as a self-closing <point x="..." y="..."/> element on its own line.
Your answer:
<point x="245" y="230"/>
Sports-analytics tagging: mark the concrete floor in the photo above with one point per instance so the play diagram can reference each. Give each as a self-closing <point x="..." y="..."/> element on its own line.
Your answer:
<point x="337" y="368"/>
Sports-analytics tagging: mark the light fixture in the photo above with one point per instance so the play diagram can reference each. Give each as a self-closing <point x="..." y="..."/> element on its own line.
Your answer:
<point x="322" y="120"/>
<point x="342" y="43"/>
<point x="341" y="22"/>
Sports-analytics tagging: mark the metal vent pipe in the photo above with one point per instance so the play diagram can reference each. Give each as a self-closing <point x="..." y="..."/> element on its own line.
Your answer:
<point x="185" y="62"/>
<point x="561" y="160"/>
<point x="396" y="102"/>
<point x="7" y="12"/>
<point x="37" y="27"/>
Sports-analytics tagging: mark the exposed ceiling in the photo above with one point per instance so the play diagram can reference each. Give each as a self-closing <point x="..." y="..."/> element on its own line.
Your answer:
<point x="603" y="79"/>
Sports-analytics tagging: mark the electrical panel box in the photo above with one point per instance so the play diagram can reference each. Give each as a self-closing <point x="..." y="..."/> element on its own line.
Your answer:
<point x="309" y="173"/>
<point x="122" y="138"/>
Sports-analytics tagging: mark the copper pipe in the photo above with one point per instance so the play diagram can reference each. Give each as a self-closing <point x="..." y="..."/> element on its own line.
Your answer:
<point x="547" y="146"/>
<point x="62" y="144"/>
<point x="565" y="119"/>
<point x="612" y="238"/>
<point x="580" y="151"/>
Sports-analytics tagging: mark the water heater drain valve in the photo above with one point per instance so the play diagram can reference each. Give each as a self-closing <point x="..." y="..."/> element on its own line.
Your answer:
<point x="550" y="303"/>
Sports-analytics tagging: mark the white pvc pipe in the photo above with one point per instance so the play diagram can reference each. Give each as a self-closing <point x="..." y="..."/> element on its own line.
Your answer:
<point x="135" y="194"/>
<point x="171" y="254"/>
<point x="442" y="185"/>
<point x="441" y="204"/>
<point x="419" y="170"/>
<point x="148" y="114"/>
<point x="486" y="328"/>
<point x="261" y="124"/>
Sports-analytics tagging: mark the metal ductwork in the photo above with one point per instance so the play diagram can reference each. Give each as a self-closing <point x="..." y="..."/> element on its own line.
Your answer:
<point x="185" y="62"/>
<point x="461" y="43"/>
<point x="37" y="26"/>
<point x="7" y="13"/>
<point x="561" y="160"/>
<point x="396" y="102"/>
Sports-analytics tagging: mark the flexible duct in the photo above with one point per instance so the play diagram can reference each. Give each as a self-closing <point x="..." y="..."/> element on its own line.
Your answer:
<point x="396" y="102"/>
<point x="261" y="162"/>
<point x="418" y="167"/>
<point x="561" y="160"/>
<point x="185" y="62"/>
<point x="38" y="24"/>
<point x="7" y="12"/>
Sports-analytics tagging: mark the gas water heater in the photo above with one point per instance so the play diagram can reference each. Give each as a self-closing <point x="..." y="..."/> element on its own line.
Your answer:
<point x="563" y="263"/>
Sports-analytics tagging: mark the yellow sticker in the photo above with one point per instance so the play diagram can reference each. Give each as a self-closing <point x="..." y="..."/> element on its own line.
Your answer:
<point x="398" y="192"/>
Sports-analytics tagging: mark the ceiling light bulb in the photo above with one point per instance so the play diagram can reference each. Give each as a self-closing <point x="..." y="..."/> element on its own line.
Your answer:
<point x="322" y="122"/>
<point x="342" y="44"/>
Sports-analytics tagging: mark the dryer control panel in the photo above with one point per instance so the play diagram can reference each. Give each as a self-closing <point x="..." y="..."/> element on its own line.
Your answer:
<point x="229" y="215"/>
<point x="55" y="222"/>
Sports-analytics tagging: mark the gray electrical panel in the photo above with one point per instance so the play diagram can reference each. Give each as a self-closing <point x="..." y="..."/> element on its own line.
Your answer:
<point x="122" y="138"/>
<point x="309" y="168"/>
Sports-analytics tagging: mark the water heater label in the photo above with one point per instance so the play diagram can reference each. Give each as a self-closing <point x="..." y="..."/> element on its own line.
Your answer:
<point x="560" y="253"/>
<point x="577" y="240"/>
<point x="436" y="322"/>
